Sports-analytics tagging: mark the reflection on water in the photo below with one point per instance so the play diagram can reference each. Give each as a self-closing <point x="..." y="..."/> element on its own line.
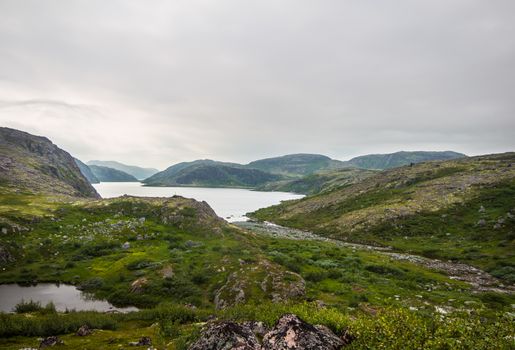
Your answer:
<point x="229" y="203"/>
<point x="63" y="296"/>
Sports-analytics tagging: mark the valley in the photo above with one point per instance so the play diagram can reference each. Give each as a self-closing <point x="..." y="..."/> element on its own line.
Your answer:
<point x="353" y="257"/>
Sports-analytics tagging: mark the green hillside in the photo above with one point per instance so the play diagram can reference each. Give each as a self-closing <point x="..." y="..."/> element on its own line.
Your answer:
<point x="397" y="159"/>
<point x="460" y="210"/>
<point x="136" y="171"/>
<point x="105" y="174"/>
<point x="296" y="164"/>
<point x="210" y="174"/>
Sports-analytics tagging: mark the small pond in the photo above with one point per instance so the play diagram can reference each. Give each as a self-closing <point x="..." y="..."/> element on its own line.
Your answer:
<point x="63" y="296"/>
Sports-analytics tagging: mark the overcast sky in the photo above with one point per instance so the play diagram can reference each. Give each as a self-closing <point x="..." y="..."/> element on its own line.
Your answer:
<point x="156" y="82"/>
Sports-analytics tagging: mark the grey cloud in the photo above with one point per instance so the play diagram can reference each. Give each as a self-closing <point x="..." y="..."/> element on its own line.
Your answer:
<point x="165" y="81"/>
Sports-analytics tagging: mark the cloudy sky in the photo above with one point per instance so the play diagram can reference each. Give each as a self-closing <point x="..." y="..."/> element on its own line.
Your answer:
<point x="157" y="82"/>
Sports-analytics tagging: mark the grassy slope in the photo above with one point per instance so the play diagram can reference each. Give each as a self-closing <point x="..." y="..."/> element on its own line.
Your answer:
<point x="81" y="243"/>
<point x="432" y="209"/>
<point x="323" y="181"/>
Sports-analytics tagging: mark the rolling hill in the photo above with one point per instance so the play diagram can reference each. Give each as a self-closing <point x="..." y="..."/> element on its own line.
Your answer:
<point x="106" y="174"/>
<point x="136" y="171"/>
<point x="210" y="174"/>
<point x="296" y="165"/>
<point x="397" y="159"/>
<point x="460" y="209"/>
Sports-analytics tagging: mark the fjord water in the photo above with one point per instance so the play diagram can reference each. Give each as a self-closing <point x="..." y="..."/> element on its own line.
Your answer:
<point x="63" y="296"/>
<point x="229" y="203"/>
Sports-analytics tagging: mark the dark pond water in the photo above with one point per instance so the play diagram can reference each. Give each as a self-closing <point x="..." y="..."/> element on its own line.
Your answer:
<point x="63" y="296"/>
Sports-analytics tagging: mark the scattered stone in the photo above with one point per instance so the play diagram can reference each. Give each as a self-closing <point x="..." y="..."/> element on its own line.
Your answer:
<point x="167" y="271"/>
<point x="257" y="327"/>
<point x="226" y="335"/>
<point x="481" y="209"/>
<point x="139" y="285"/>
<point x="4" y="230"/>
<point x="481" y="222"/>
<point x="292" y="333"/>
<point x="84" y="331"/>
<point x="192" y="244"/>
<point x="50" y="341"/>
<point x="5" y="256"/>
<point x="126" y="245"/>
<point x="144" y="341"/>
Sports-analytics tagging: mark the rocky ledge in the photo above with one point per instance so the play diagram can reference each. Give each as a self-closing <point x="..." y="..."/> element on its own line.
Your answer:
<point x="289" y="333"/>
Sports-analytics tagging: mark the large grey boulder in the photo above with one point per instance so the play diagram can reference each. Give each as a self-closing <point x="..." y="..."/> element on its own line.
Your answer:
<point x="226" y="336"/>
<point x="292" y="333"/>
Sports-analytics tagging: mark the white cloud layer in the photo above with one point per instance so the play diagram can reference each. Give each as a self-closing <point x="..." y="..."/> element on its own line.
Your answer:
<point x="153" y="83"/>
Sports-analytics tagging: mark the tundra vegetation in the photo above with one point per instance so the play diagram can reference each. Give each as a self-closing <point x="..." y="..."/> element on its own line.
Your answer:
<point x="182" y="266"/>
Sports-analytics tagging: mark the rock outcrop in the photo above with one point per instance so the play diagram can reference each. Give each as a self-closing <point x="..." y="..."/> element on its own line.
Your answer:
<point x="226" y="335"/>
<point x="34" y="163"/>
<point x="289" y="333"/>
<point x="292" y="333"/>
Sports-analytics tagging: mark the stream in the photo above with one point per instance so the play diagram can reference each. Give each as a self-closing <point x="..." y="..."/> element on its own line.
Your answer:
<point x="479" y="280"/>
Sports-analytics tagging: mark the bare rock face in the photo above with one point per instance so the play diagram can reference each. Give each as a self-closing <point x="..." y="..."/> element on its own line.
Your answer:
<point x="291" y="333"/>
<point x="34" y="163"/>
<point x="225" y="336"/>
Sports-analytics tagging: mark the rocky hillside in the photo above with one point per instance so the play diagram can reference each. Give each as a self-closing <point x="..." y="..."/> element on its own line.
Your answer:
<point x="33" y="163"/>
<point x="105" y="174"/>
<point x="397" y="159"/>
<point x="136" y="171"/>
<point x="322" y="181"/>
<point x="86" y="171"/>
<point x="296" y="164"/>
<point x="210" y="174"/>
<point x="459" y="209"/>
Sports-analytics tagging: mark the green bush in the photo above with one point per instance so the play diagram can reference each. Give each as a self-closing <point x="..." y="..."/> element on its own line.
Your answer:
<point x="27" y="306"/>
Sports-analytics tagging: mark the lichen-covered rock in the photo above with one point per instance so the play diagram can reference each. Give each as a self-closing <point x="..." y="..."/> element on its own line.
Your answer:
<point x="50" y="341"/>
<point x="144" y="341"/>
<point x="226" y="336"/>
<point x="139" y="285"/>
<point x="292" y="333"/>
<point x="83" y="331"/>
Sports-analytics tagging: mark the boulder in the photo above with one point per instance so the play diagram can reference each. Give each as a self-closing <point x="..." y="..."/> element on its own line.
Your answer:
<point x="139" y="285"/>
<point x="292" y="333"/>
<point x="226" y="335"/>
<point x="50" y="341"/>
<point x="83" y="331"/>
<point x="144" y="341"/>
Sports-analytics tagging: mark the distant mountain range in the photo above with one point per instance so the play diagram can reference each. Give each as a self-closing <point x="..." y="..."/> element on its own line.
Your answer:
<point x="136" y="171"/>
<point x="302" y="173"/>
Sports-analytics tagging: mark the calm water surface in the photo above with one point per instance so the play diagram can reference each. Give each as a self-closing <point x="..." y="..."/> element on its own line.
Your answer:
<point x="63" y="296"/>
<point x="229" y="203"/>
